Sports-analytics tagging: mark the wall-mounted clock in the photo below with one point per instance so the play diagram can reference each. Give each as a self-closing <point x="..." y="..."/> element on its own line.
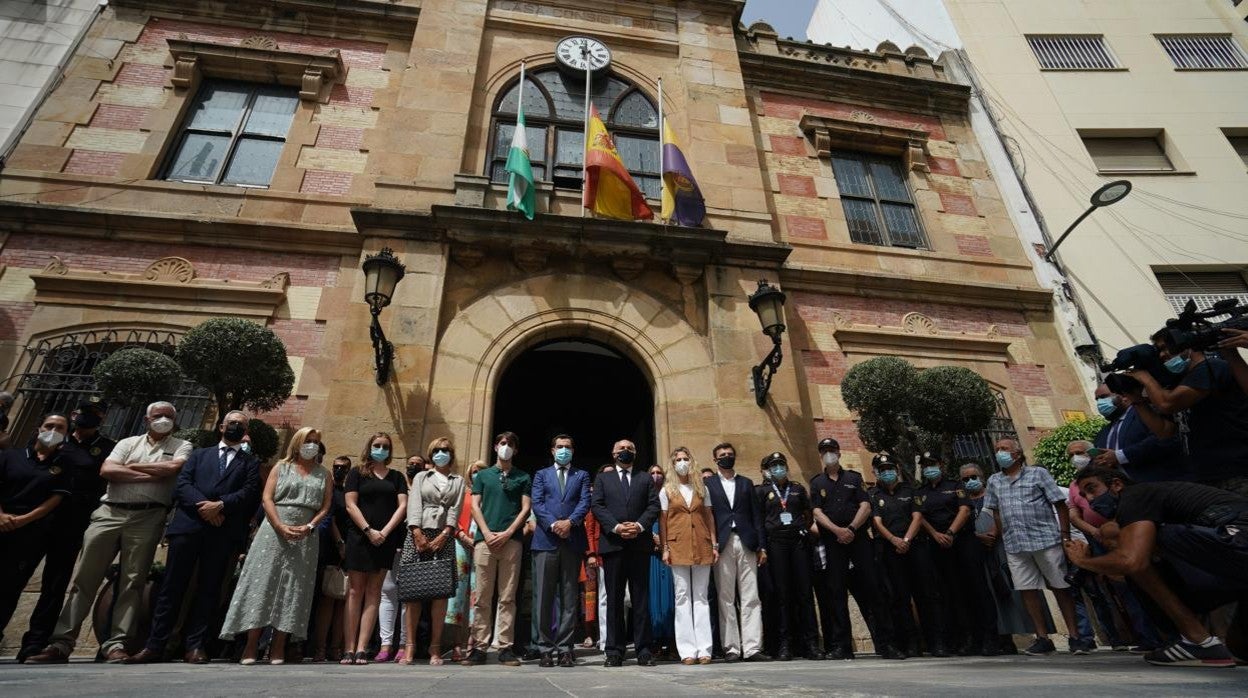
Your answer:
<point x="581" y="53"/>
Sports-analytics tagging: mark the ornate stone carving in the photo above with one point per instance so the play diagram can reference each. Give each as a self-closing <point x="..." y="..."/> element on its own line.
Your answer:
<point x="170" y="270"/>
<point x="467" y="257"/>
<point x="918" y="323"/>
<point x="866" y="117"/>
<point x="56" y="266"/>
<point x="260" y="41"/>
<point x="313" y="81"/>
<point x="279" y="281"/>
<point x="839" y="320"/>
<point x="993" y="332"/>
<point x="628" y="268"/>
<point x="530" y="260"/>
<point x="686" y="274"/>
<point x="185" y="71"/>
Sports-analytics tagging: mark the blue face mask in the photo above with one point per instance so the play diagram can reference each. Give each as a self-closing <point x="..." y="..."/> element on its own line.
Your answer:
<point x="563" y="455"/>
<point x="378" y="454"/>
<point x="931" y="473"/>
<point x="887" y="477"/>
<point x="1106" y="406"/>
<point x="779" y="472"/>
<point x="441" y="459"/>
<point x="1005" y="459"/>
<point x="1177" y="364"/>
<point x="973" y="485"/>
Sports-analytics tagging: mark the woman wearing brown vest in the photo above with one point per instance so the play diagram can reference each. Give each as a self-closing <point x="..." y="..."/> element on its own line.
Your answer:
<point x="687" y="529"/>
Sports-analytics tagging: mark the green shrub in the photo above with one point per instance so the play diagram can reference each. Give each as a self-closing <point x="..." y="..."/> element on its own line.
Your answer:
<point x="137" y="376"/>
<point x="264" y="442"/>
<point x="1050" y="450"/>
<point x="242" y="364"/>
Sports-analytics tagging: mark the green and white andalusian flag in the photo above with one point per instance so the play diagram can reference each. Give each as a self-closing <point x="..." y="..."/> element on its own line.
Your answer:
<point x="521" y="195"/>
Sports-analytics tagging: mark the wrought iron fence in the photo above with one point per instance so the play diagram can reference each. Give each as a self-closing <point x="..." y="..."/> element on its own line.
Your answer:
<point x="980" y="446"/>
<point x="57" y="376"/>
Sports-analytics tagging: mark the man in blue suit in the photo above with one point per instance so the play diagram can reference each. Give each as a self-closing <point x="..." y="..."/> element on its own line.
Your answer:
<point x="742" y="549"/>
<point x="1128" y="444"/>
<point x="626" y="507"/>
<point x="217" y="494"/>
<point x="560" y="502"/>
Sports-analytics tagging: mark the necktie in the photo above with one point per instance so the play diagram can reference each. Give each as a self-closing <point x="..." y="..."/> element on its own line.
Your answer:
<point x="563" y="479"/>
<point x="225" y="460"/>
<point x="624" y="478"/>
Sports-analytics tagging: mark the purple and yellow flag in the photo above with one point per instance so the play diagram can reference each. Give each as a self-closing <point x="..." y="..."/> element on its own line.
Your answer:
<point x="682" y="200"/>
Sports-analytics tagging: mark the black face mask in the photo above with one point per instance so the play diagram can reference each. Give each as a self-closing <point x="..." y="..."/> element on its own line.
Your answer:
<point x="727" y="462"/>
<point x="235" y="432"/>
<point x="625" y="457"/>
<point x="340" y="472"/>
<point x="1105" y="504"/>
<point x="412" y="470"/>
<point x="87" y="420"/>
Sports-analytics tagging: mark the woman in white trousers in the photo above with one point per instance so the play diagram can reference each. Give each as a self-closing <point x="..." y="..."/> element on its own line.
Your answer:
<point x="687" y="532"/>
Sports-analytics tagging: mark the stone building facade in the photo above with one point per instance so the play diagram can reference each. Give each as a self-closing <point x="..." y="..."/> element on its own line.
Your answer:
<point x="622" y="329"/>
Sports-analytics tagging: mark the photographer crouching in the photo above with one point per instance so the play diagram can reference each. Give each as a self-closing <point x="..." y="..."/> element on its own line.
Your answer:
<point x="1200" y="532"/>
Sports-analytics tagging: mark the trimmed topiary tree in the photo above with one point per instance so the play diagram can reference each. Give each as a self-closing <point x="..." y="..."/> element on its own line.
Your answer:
<point x="264" y="443"/>
<point x="242" y="364"/>
<point x="137" y="376"/>
<point x="906" y="411"/>
<point x="1050" y="450"/>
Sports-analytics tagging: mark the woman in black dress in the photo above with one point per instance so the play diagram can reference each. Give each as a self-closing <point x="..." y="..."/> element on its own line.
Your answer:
<point x="376" y="499"/>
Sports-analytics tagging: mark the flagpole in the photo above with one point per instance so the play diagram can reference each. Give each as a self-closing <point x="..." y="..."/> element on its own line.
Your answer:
<point x="662" y="135"/>
<point x="585" y="153"/>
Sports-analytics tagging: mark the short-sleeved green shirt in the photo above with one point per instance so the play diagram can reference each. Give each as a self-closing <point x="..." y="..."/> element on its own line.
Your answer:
<point x="501" y="497"/>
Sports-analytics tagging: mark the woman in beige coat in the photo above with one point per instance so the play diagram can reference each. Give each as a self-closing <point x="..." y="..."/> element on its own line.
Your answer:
<point x="432" y="517"/>
<point x="687" y="531"/>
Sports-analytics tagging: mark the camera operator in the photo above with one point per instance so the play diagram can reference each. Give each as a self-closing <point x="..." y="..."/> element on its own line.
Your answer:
<point x="1201" y="531"/>
<point x="1126" y="442"/>
<point x="1235" y="340"/>
<point x="1210" y="412"/>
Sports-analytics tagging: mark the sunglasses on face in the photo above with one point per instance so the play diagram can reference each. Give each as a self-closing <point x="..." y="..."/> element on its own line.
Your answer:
<point x="442" y="450"/>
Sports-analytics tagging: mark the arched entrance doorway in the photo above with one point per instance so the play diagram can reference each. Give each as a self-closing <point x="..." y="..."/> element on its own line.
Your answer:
<point x="578" y="387"/>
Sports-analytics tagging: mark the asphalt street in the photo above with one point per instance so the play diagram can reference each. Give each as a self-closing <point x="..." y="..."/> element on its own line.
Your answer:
<point x="1102" y="674"/>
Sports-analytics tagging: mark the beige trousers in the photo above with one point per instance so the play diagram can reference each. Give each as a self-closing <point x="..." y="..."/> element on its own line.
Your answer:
<point x="736" y="574"/>
<point x="495" y="572"/>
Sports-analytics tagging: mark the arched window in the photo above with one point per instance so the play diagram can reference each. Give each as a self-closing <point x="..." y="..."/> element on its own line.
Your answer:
<point x="554" y="113"/>
<point x="57" y="376"/>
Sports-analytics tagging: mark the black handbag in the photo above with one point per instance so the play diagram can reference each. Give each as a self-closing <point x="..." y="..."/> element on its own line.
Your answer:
<point x="424" y="577"/>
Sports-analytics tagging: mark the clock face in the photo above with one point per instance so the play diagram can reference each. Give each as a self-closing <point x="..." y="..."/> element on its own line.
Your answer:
<point x="583" y="53"/>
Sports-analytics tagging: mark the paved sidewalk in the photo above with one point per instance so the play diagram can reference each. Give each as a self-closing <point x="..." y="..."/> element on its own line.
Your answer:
<point x="1102" y="674"/>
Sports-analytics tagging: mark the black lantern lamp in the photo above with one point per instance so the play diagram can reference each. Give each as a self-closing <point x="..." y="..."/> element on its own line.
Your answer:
<point x="767" y="302"/>
<point x="382" y="273"/>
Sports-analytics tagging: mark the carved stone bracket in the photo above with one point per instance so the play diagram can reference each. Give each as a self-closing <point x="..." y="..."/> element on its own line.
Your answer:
<point x="466" y="256"/>
<point x="530" y="260"/>
<point x="168" y="285"/>
<point x="830" y="133"/>
<point x="257" y="58"/>
<point x="628" y="268"/>
<point x="686" y="274"/>
<point x="919" y="336"/>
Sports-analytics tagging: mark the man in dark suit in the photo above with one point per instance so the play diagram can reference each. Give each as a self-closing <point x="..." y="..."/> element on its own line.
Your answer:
<point x="560" y="502"/>
<point x="217" y="493"/>
<point x="626" y="506"/>
<point x="1127" y="443"/>
<point x="739" y="524"/>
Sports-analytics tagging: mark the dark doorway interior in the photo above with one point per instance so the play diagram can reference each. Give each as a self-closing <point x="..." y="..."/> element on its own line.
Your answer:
<point x="580" y="388"/>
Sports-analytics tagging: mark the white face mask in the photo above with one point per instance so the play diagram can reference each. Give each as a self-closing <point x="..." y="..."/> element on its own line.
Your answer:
<point x="1080" y="460"/>
<point x="830" y="459"/>
<point x="682" y="467"/>
<point x="51" y="439"/>
<point x="505" y="452"/>
<point x="162" y="425"/>
<point x="309" y="451"/>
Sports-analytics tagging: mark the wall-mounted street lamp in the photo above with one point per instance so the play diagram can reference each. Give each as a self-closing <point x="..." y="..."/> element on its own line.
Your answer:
<point x="382" y="273"/>
<point x="1107" y="195"/>
<point x="767" y="302"/>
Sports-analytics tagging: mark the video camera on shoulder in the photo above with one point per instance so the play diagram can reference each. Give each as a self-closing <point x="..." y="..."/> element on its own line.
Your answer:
<point x="1141" y="357"/>
<point x="1193" y="328"/>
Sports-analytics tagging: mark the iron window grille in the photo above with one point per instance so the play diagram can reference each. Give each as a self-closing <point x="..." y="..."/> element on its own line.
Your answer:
<point x="875" y="195"/>
<point x="1072" y="52"/>
<point x="1203" y="51"/>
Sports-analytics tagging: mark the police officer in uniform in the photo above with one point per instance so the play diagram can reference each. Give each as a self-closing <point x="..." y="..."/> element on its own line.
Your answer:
<point x="33" y="482"/>
<point x="70" y="521"/>
<point x="897" y="523"/>
<point x="841" y="510"/>
<point x="946" y="513"/>
<point x="787" y="519"/>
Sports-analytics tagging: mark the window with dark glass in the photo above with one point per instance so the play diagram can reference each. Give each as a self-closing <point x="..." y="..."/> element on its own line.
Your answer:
<point x="878" y="206"/>
<point x="554" y="115"/>
<point x="233" y="134"/>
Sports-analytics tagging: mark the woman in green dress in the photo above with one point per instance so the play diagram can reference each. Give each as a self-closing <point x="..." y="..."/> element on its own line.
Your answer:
<point x="277" y="585"/>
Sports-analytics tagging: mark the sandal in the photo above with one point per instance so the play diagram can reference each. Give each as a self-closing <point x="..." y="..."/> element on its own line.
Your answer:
<point x="406" y="656"/>
<point x="435" y="655"/>
<point x="347" y="658"/>
<point x="361" y="658"/>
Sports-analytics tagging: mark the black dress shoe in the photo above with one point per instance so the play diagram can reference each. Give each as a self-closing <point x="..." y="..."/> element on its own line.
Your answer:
<point x="548" y="661"/>
<point x="144" y="656"/>
<point x="530" y="655"/>
<point x="839" y="653"/>
<point x="567" y="659"/>
<point x="646" y="660"/>
<point x="890" y="652"/>
<point x="939" y="651"/>
<point x="757" y="657"/>
<point x="613" y="660"/>
<point x="990" y="648"/>
<point x="784" y="655"/>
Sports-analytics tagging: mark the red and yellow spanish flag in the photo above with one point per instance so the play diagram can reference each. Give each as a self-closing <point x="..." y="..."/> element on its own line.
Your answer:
<point x="609" y="190"/>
